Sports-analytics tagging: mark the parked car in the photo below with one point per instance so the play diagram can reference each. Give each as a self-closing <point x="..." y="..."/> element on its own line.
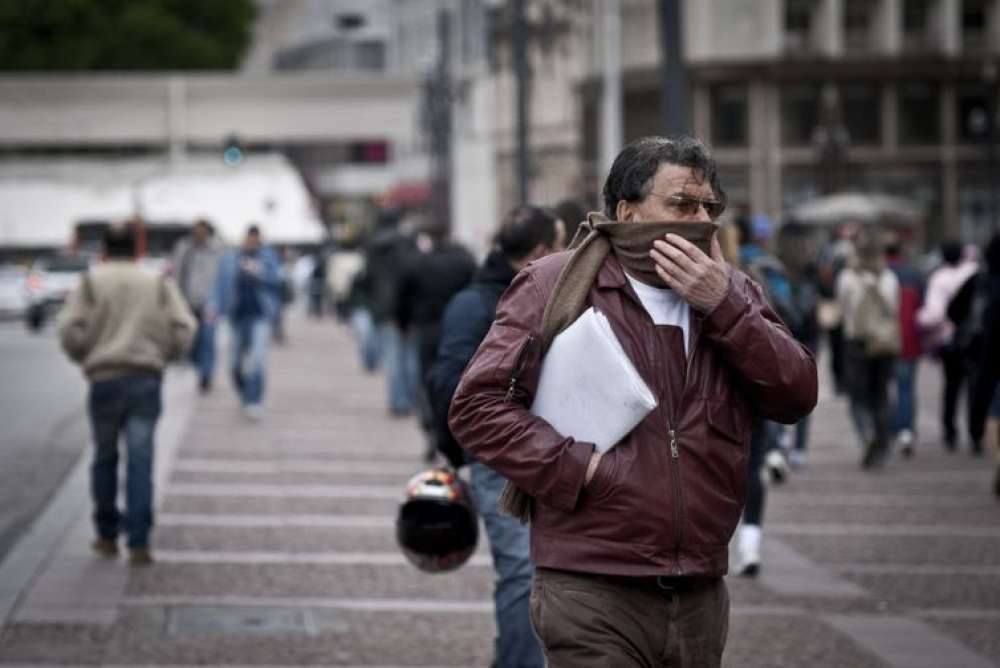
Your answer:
<point x="49" y="282"/>
<point x="13" y="294"/>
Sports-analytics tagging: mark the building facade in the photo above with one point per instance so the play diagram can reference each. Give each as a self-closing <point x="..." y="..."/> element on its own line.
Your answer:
<point x="797" y="98"/>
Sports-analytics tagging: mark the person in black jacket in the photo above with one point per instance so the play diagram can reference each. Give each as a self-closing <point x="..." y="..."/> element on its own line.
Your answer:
<point x="426" y="282"/>
<point x="984" y="354"/>
<point x="527" y="234"/>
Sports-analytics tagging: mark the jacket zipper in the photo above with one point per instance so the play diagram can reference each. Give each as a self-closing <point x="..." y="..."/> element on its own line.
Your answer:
<point x="517" y="369"/>
<point x="675" y="449"/>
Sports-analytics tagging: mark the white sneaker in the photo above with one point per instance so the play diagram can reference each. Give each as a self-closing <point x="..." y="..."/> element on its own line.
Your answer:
<point x="777" y="466"/>
<point x="905" y="442"/>
<point x="749" y="550"/>
<point x="253" y="412"/>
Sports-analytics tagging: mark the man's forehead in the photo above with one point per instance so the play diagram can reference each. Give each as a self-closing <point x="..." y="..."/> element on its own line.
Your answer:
<point x="680" y="179"/>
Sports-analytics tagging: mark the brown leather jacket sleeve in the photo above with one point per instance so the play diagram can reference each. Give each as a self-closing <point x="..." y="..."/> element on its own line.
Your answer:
<point x="778" y="373"/>
<point x="489" y="413"/>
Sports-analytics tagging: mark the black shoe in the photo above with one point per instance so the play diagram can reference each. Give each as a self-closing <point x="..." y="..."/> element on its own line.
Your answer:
<point x="976" y="449"/>
<point x="205" y="385"/>
<point x="875" y="455"/>
<point x="950" y="442"/>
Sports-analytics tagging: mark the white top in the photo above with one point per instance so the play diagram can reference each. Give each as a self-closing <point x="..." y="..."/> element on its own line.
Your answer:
<point x="664" y="307"/>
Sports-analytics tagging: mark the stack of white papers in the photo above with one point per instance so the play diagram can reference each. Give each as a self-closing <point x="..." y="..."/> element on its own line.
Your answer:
<point x="589" y="388"/>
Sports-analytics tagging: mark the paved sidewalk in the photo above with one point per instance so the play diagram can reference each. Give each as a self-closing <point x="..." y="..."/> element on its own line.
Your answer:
<point x="275" y="547"/>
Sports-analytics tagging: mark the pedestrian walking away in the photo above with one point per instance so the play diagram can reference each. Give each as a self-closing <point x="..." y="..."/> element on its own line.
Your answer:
<point x="911" y="290"/>
<point x="868" y="293"/>
<point x="195" y="267"/>
<point x="942" y="286"/>
<point x="122" y="325"/>
<point x="527" y="234"/>
<point x="630" y="541"/>
<point x="248" y="292"/>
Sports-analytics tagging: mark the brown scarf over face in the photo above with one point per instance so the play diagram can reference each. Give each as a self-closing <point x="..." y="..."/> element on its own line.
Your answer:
<point x="595" y="238"/>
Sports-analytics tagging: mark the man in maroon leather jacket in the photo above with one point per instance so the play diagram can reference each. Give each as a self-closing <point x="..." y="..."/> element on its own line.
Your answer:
<point x="630" y="546"/>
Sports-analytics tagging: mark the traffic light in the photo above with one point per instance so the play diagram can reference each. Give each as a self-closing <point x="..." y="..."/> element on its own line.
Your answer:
<point x="232" y="151"/>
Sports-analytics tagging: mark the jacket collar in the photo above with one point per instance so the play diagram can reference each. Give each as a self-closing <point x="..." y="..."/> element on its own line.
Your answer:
<point x="611" y="274"/>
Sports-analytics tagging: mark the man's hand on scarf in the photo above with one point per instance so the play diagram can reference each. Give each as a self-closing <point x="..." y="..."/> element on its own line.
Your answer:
<point x="700" y="280"/>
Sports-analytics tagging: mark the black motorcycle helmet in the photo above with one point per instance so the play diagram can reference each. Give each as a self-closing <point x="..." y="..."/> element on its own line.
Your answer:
<point x="437" y="526"/>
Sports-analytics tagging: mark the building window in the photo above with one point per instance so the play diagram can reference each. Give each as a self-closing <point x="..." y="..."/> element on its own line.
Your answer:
<point x="858" y="25"/>
<point x="973" y="117"/>
<point x="975" y="25"/>
<point x="729" y="114"/>
<point x="799" y="18"/>
<point x="917" y="35"/>
<point x="861" y="105"/>
<point x="919" y="113"/>
<point x="799" y="114"/>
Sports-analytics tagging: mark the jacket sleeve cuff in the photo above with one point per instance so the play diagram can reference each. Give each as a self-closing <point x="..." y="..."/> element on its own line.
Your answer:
<point x="727" y="312"/>
<point x="574" y="464"/>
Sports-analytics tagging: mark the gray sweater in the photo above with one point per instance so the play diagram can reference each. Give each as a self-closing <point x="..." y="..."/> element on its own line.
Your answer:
<point x="125" y="319"/>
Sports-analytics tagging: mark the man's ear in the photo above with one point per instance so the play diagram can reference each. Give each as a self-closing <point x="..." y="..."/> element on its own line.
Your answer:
<point x="624" y="213"/>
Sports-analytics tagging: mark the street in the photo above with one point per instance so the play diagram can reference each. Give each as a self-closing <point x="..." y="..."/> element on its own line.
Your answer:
<point x="275" y="543"/>
<point x="42" y="402"/>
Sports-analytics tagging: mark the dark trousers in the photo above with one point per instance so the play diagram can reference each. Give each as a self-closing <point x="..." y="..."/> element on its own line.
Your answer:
<point x="753" y="512"/>
<point x="128" y="406"/>
<point x="869" y="389"/>
<point x="955" y="372"/>
<point x="591" y="621"/>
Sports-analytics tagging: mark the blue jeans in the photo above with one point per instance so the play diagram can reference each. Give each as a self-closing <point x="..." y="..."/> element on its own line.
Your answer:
<point x="129" y="405"/>
<point x="516" y="644"/>
<point x="402" y="369"/>
<point x="203" y="349"/>
<point x="248" y="357"/>
<point x="368" y="338"/>
<point x="906" y="382"/>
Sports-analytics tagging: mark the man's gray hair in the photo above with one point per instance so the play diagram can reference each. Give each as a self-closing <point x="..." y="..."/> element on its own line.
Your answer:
<point x="631" y="175"/>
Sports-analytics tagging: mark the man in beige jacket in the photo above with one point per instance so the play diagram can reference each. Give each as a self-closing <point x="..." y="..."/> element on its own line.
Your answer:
<point x="122" y="325"/>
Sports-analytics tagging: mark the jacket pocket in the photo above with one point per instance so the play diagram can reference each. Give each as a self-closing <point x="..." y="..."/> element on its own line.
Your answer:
<point x="604" y="475"/>
<point x="512" y="361"/>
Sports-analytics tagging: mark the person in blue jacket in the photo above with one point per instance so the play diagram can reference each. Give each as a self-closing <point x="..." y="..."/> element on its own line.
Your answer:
<point x="248" y="292"/>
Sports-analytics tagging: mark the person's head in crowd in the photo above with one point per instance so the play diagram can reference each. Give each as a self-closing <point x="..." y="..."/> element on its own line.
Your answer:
<point x="870" y="250"/>
<point x="893" y="246"/>
<point x="120" y="242"/>
<point x="202" y="231"/>
<point x="571" y="213"/>
<point x="951" y="252"/>
<point x="252" y="242"/>
<point x="664" y="179"/>
<point x="529" y="233"/>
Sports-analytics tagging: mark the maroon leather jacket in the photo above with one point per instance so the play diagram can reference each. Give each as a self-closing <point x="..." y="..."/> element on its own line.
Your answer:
<point x="667" y="498"/>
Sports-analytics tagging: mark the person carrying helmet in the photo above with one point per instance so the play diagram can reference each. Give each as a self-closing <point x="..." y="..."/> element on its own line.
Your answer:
<point x="528" y="233"/>
<point x="630" y="546"/>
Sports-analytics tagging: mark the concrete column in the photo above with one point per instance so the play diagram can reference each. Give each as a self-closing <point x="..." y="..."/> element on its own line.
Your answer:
<point x="474" y="168"/>
<point x="611" y="91"/>
<point x="830" y="26"/>
<point x="701" y="122"/>
<point x="993" y="18"/>
<point x="891" y="26"/>
<point x="757" y="153"/>
<point x="176" y="118"/>
<point x="771" y="104"/>
<point x="948" y="21"/>
<point x="949" y="225"/>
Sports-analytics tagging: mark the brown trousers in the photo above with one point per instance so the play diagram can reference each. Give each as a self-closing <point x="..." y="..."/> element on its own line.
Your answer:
<point x="591" y="621"/>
